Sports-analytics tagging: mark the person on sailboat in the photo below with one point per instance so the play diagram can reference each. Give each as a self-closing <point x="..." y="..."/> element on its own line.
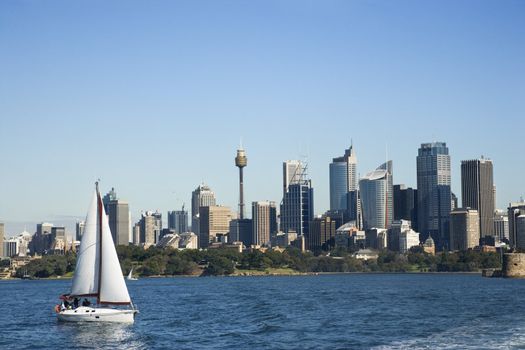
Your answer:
<point x="86" y="302"/>
<point x="75" y="302"/>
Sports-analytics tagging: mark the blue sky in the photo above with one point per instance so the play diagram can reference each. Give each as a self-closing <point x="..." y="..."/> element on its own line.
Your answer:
<point x="153" y="96"/>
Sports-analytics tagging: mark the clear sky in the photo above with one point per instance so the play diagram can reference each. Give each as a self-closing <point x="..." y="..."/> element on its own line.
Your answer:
<point x="152" y="97"/>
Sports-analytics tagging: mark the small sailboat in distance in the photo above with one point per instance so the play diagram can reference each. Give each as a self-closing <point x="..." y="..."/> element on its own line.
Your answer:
<point x="130" y="276"/>
<point x="97" y="275"/>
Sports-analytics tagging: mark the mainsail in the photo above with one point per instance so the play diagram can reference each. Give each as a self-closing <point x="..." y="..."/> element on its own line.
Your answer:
<point x="98" y="272"/>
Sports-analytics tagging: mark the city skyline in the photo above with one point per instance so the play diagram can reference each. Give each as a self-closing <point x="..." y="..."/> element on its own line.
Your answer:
<point x="157" y="108"/>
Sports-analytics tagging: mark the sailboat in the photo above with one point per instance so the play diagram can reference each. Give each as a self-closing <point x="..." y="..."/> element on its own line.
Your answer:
<point x="130" y="276"/>
<point x="98" y="275"/>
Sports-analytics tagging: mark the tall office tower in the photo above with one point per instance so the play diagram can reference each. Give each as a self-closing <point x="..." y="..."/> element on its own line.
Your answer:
<point x="322" y="234"/>
<point x="453" y="201"/>
<point x="376" y="191"/>
<point x="240" y="162"/>
<point x="241" y="231"/>
<point x="405" y="204"/>
<point x="136" y="234"/>
<point x="119" y="223"/>
<point x="108" y="197"/>
<point x="42" y="239"/>
<point x="514" y="211"/>
<point x="262" y="222"/>
<point x="79" y="230"/>
<point x="203" y="196"/>
<point x="464" y="229"/>
<point x="2" y="233"/>
<point x="178" y="220"/>
<point x="433" y="192"/>
<point x="274" y="227"/>
<point x="214" y="220"/>
<point x="297" y="207"/>
<point x="477" y="192"/>
<point x="150" y="227"/>
<point x="501" y="224"/>
<point x="343" y="180"/>
<point x="293" y="171"/>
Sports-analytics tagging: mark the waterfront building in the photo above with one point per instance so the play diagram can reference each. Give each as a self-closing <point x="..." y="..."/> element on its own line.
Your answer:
<point x="42" y="239"/>
<point x="202" y="196"/>
<point x="178" y="220"/>
<point x="376" y="191"/>
<point x="2" y="234"/>
<point x="477" y="192"/>
<point x="464" y="229"/>
<point x="514" y="210"/>
<point x="405" y="204"/>
<point x="282" y="239"/>
<point x="434" y="199"/>
<point x="214" y="220"/>
<point x="501" y="225"/>
<point x="119" y="221"/>
<point x="262" y="222"/>
<point x="343" y="184"/>
<point x="376" y="238"/>
<point x="188" y="240"/>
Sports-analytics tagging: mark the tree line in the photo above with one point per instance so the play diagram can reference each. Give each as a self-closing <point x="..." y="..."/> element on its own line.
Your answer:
<point x="170" y="262"/>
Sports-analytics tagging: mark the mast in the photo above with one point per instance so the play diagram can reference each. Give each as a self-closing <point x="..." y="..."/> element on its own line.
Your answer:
<point x="99" y="219"/>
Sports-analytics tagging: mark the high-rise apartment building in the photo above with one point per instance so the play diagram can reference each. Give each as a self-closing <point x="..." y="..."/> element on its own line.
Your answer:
<point x="178" y="220"/>
<point x="119" y="221"/>
<point x="202" y="196"/>
<point x="464" y="229"/>
<point x="477" y="192"/>
<point x="376" y="191"/>
<point x="433" y="192"/>
<point x="343" y="180"/>
<point x="262" y="222"/>
<point x="214" y="220"/>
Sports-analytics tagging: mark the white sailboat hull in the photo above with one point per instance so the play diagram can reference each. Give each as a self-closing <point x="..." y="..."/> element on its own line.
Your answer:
<point x="90" y="314"/>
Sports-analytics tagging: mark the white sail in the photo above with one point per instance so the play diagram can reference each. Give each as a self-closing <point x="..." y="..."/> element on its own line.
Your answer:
<point x="130" y="276"/>
<point x="113" y="288"/>
<point x="85" y="281"/>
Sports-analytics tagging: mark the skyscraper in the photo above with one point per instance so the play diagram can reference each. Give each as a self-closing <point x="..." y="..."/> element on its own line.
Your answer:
<point x="343" y="179"/>
<point x="213" y="220"/>
<point x="240" y="162"/>
<point x="477" y="192"/>
<point x="293" y="171"/>
<point x="405" y="204"/>
<point x="322" y="233"/>
<point x="79" y="230"/>
<point x="297" y="207"/>
<point x="178" y="220"/>
<point x="516" y="237"/>
<point x="262" y="222"/>
<point x="119" y="222"/>
<point x="150" y="227"/>
<point x="464" y="229"/>
<point x="501" y="224"/>
<point x="376" y="191"/>
<point x="203" y="196"/>
<point x="433" y="192"/>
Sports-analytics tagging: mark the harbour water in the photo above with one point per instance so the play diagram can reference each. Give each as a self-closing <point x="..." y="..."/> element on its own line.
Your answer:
<point x="350" y="311"/>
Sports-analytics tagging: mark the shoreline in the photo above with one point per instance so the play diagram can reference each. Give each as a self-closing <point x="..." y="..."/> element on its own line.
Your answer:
<point x="270" y="274"/>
